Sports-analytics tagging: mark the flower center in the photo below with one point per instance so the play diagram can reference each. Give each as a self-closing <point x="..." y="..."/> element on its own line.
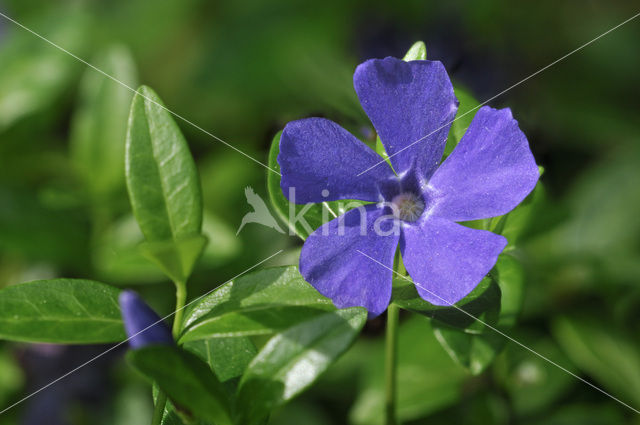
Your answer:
<point x="407" y="206"/>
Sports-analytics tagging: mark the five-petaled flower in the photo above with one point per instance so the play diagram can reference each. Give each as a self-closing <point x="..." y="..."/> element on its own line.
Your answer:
<point x="488" y="174"/>
<point x="142" y="325"/>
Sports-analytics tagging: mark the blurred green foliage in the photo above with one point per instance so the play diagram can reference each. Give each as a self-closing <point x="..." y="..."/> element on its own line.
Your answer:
<point x="243" y="69"/>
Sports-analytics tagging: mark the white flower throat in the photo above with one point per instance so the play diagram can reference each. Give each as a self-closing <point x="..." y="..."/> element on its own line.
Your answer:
<point x="407" y="206"/>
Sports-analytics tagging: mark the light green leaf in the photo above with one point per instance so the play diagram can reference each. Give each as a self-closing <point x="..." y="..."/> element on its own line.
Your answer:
<point x="314" y="215"/>
<point x="162" y="178"/>
<point x="117" y="256"/>
<point x="259" y="303"/>
<point x="418" y="51"/>
<point x="61" y="311"/>
<point x="186" y="380"/>
<point x="33" y="76"/>
<point x="99" y="125"/>
<point x="292" y="360"/>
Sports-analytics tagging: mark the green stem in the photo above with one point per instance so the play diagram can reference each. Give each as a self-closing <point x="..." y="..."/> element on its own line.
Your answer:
<point x="391" y="351"/>
<point x="181" y="298"/>
<point x="158" y="411"/>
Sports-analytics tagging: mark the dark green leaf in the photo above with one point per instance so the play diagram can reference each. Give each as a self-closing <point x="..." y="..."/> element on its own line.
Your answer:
<point x="100" y="122"/>
<point x="531" y="382"/>
<point x="483" y="302"/>
<point x="477" y="351"/>
<point x="161" y="175"/>
<point x="474" y="352"/>
<point x="313" y="215"/>
<point x="259" y="303"/>
<point x="61" y="311"/>
<point x="293" y="359"/>
<point x="186" y="380"/>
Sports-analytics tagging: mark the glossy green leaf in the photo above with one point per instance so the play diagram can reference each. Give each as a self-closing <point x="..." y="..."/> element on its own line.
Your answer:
<point x="418" y="51"/>
<point x="175" y="258"/>
<point x="186" y="379"/>
<point x="258" y="303"/>
<point x="301" y="220"/>
<point x="162" y="178"/>
<point x="99" y="125"/>
<point x="61" y="311"/>
<point x="227" y="357"/>
<point x="483" y="302"/>
<point x="476" y="351"/>
<point x="292" y="360"/>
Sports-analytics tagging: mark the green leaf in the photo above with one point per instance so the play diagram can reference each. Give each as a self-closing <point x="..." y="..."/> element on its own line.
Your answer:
<point x="514" y="225"/>
<point x="186" y="380"/>
<point x="609" y="356"/>
<point x="99" y="125"/>
<point x="476" y="351"/>
<point x="117" y="256"/>
<point x="311" y="216"/>
<point x="162" y="178"/>
<point x="427" y="378"/>
<point x="531" y="382"/>
<point x="483" y="302"/>
<point x="418" y="51"/>
<point x="466" y="111"/>
<point x="259" y="303"/>
<point x="175" y="258"/>
<point x="292" y="360"/>
<point x="510" y="277"/>
<point x="227" y="357"/>
<point x="33" y="76"/>
<point x="61" y="311"/>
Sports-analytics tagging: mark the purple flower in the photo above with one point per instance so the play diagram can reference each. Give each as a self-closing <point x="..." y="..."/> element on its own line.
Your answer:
<point x="488" y="174"/>
<point x="143" y="326"/>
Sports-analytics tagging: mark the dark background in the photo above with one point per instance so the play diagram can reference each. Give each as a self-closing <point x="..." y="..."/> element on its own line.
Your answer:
<point x="242" y="70"/>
